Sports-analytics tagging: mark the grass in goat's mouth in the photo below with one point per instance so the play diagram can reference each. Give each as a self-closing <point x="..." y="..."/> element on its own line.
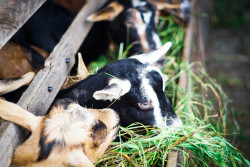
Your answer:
<point x="202" y="109"/>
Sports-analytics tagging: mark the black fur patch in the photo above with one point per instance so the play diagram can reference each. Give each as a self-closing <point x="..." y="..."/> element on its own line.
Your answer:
<point x="45" y="148"/>
<point x="99" y="133"/>
<point x="64" y="102"/>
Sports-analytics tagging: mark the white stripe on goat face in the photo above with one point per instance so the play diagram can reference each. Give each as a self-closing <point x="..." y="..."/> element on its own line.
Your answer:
<point x="137" y="3"/>
<point x="149" y="93"/>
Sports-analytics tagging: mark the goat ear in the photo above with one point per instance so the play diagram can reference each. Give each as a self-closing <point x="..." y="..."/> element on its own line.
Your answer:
<point x="114" y="90"/>
<point x="108" y="13"/>
<point x="111" y="92"/>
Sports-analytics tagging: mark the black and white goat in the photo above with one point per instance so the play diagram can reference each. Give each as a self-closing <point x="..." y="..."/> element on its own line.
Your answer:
<point x="119" y="21"/>
<point x="132" y="87"/>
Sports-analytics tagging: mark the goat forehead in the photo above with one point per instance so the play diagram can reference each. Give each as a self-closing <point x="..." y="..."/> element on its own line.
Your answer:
<point x="147" y="16"/>
<point x="144" y="72"/>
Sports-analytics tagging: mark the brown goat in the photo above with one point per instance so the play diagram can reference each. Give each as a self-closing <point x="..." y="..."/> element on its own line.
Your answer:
<point x="69" y="136"/>
<point x="16" y="60"/>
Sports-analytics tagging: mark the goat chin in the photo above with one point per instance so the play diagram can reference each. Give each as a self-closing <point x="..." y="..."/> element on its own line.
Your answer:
<point x="69" y="136"/>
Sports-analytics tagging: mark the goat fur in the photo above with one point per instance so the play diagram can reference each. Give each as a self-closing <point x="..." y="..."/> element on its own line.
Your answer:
<point x="69" y="136"/>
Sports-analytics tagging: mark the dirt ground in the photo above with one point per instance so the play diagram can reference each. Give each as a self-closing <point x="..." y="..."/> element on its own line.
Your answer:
<point x="228" y="61"/>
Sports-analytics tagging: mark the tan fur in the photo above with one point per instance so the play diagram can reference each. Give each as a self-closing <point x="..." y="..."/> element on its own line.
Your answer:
<point x="15" y="61"/>
<point x="72" y="129"/>
<point x="11" y="85"/>
<point x="139" y="24"/>
<point x="161" y="5"/>
<point x="42" y="52"/>
<point x="108" y="13"/>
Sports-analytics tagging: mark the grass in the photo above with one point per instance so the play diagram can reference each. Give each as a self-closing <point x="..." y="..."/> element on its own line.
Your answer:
<point x="202" y="109"/>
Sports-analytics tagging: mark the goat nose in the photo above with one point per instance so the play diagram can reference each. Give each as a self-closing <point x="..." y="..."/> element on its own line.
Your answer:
<point x="186" y="9"/>
<point x="176" y="122"/>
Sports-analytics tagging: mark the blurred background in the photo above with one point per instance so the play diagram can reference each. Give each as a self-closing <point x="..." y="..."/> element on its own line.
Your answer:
<point x="228" y="61"/>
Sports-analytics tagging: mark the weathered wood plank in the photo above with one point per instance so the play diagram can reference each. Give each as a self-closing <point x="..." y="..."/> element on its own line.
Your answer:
<point x="13" y="14"/>
<point x="188" y="47"/>
<point x="37" y="99"/>
<point x="175" y="159"/>
<point x="195" y="40"/>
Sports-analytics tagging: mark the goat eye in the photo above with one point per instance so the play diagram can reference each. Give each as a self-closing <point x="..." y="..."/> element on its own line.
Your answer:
<point x="146" y="105"/>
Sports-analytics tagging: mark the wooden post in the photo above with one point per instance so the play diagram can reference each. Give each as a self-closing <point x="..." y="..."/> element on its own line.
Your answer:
<point x="194" y="49"/>
<point x="13" y="14"/>
<point x="45" y="86"/>
<point x="175" y="159"/>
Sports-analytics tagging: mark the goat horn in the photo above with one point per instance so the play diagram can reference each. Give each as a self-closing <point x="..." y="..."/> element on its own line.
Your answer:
<point x="82" y="73"/>
<point x="153" y="56"/>
<point x="82" y="70"/>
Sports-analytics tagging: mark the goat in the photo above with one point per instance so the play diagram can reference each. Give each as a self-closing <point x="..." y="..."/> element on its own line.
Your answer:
<point x="128" y="22"/>
<point x="17" y="60"/>
<point x="132" y="87"/>
<point x="69" y="136"/>
<point x="133" y="15"/>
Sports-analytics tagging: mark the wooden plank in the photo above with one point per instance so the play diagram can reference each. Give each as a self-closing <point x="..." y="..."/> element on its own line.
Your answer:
<point x="194" y="49"/>
<point x="37" y="99"/>
<point x="175" y="159"/>
<point x="203" y="27"/>
<point x="13" y="14"/>
<point x="188" y="47"/>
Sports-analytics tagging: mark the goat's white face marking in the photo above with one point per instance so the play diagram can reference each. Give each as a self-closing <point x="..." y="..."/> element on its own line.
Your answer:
<point x="157" y="40"/>
<point x="149" y="93"/>
<point x="185" y="4"/>
<point x="141" y="27"/>
<point x="137" y="3"/>
<point x="176" y="122"/>
<point x="147" y="16"/>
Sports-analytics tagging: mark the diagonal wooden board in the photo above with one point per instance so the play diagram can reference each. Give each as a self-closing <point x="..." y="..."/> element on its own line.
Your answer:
<point x="37" y="99"/>
<point x="13" y="14"/>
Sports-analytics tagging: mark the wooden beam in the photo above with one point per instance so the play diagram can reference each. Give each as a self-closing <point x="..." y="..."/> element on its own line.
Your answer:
<point x="188" y="48"/>
<point x="13" y="14"/>
<point x="37" y="98"/>
<point x="175" y="159"/>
